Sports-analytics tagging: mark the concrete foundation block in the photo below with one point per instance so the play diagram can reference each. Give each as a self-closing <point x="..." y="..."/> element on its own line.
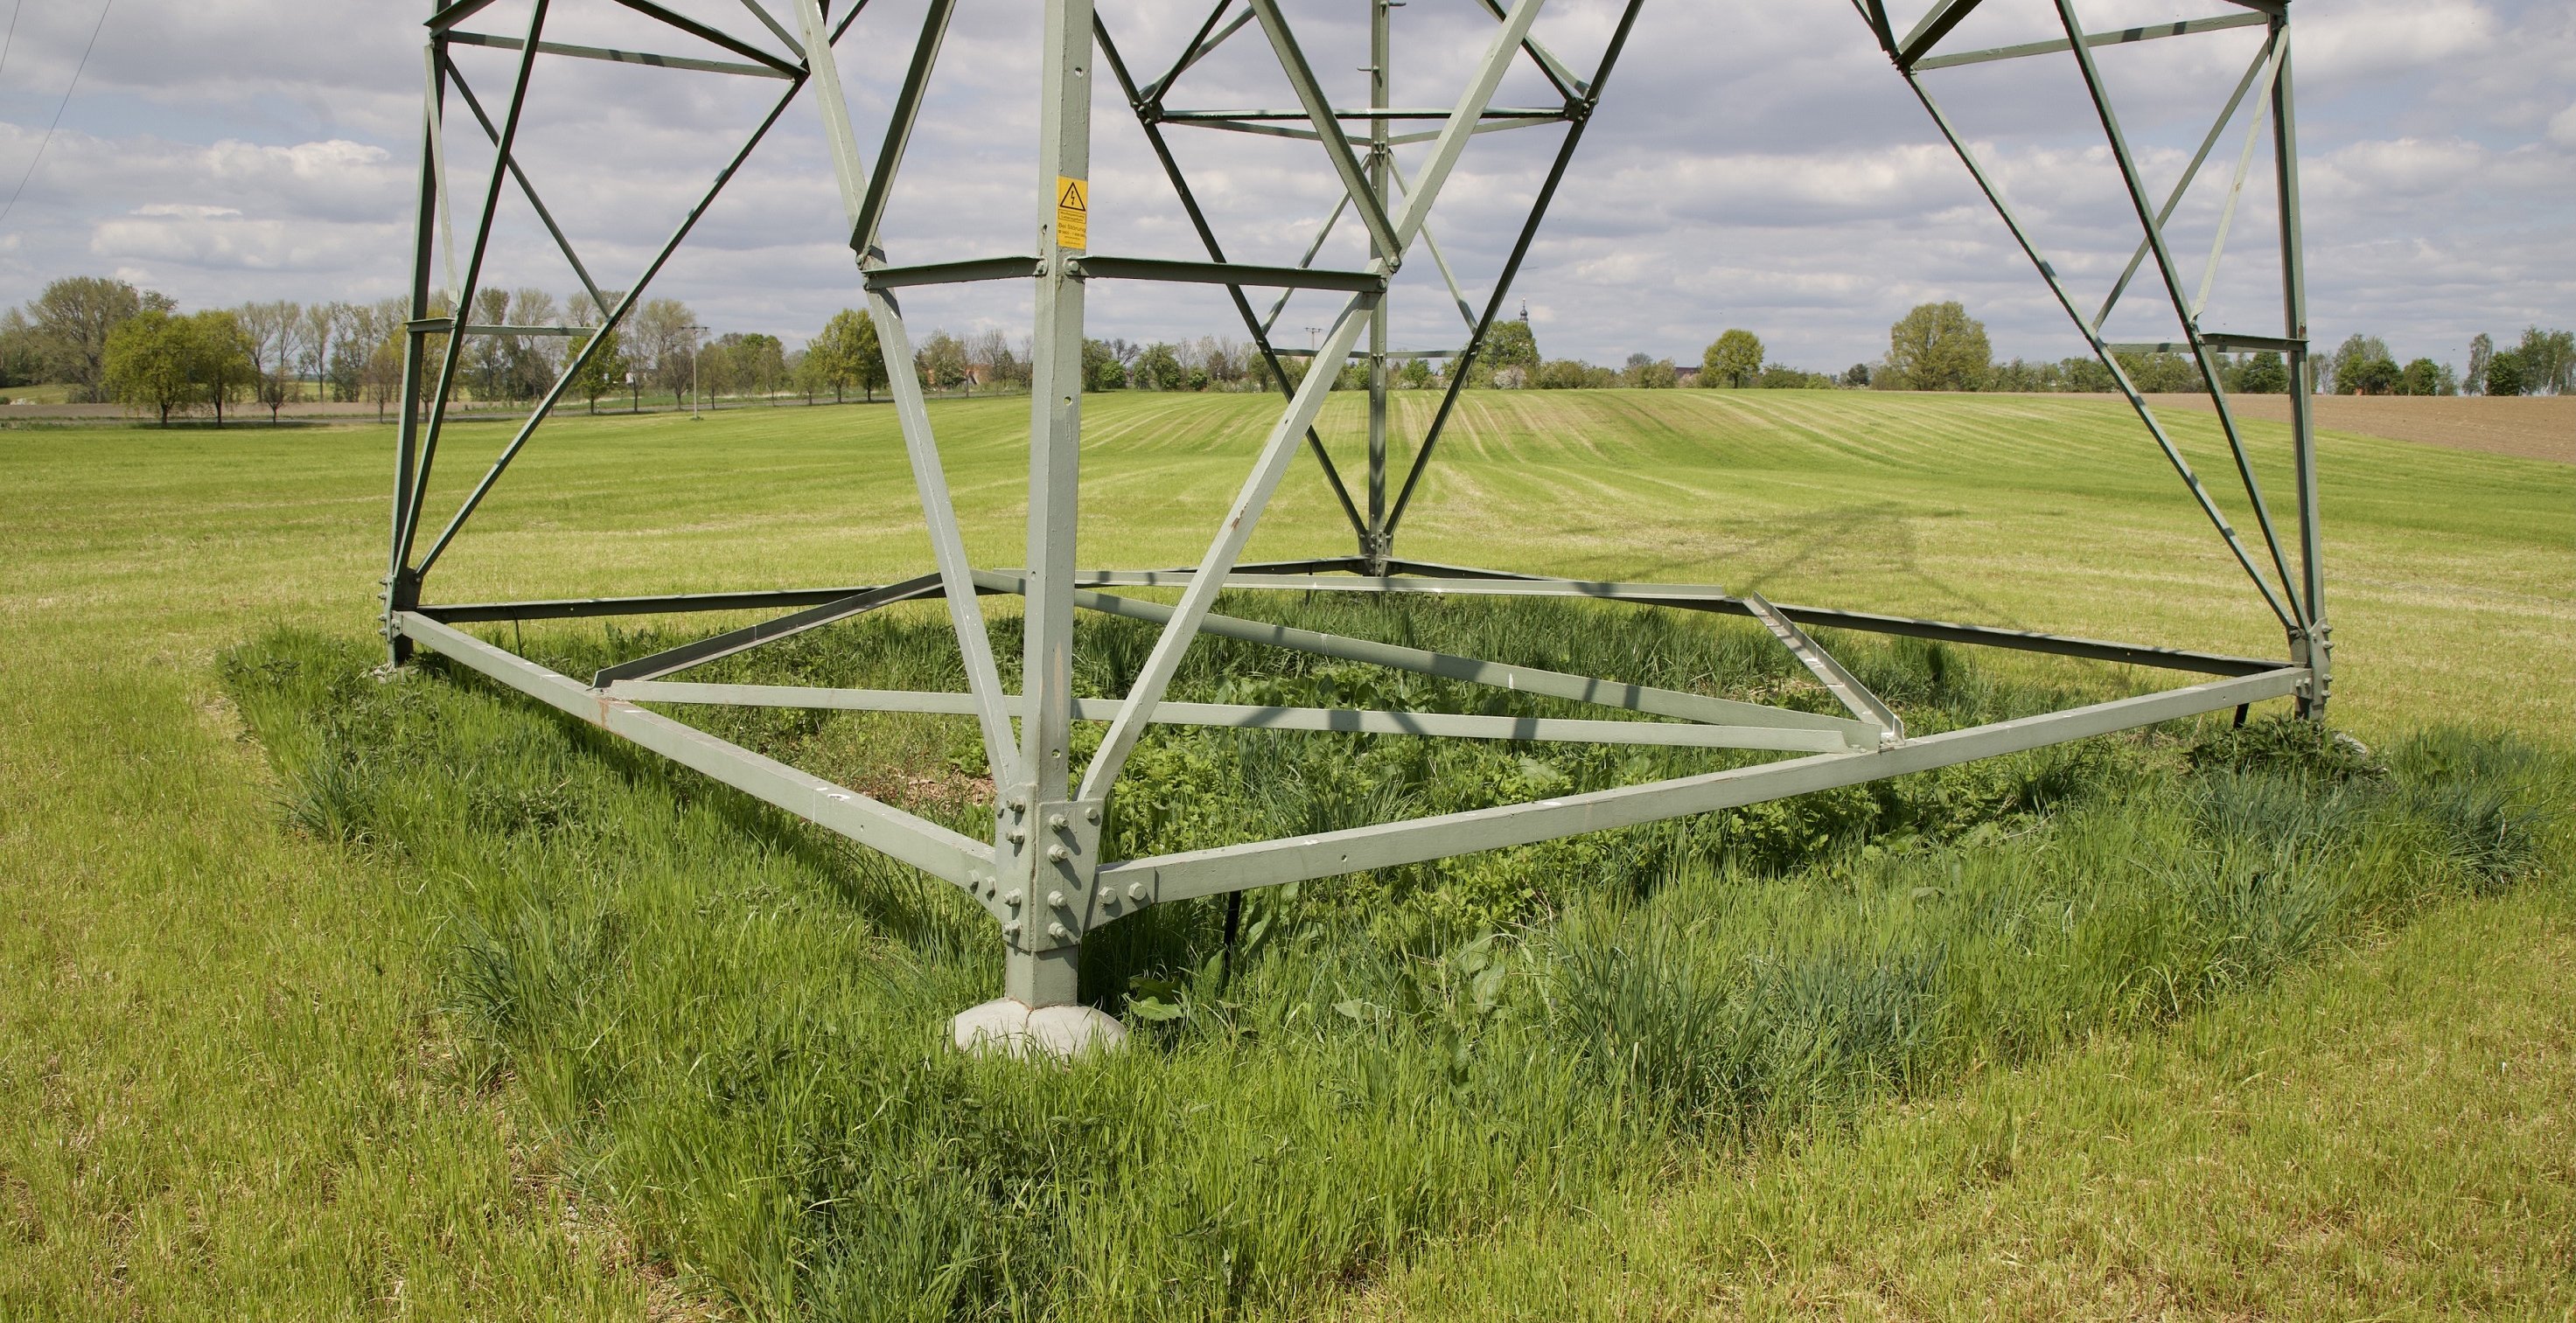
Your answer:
<point x="1012" y="1028"/>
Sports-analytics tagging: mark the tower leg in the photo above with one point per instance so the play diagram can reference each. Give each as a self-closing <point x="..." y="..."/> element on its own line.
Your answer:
<point x="1046" y="850"/>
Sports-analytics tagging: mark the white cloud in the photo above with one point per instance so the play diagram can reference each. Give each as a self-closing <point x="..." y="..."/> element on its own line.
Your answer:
<point x="1758" y="166"/>
<point x="2358" y="41"/>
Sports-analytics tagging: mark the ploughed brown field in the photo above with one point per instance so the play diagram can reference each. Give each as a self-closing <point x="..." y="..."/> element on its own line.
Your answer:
<point x="2529" y="426"/>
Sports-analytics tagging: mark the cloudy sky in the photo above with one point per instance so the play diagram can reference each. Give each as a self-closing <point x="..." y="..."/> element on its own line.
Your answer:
<point x="1753" y="164"/>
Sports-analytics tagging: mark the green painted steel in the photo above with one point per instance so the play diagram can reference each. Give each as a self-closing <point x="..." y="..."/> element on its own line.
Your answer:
<point x="1241" y="716"/>
<point x="1041" y="876"/>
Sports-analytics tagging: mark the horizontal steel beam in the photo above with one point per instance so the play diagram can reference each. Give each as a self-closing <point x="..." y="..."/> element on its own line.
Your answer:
<point x="1487" y="126"/>
<point x="701" y="651"/>
<point x="1359" y="113"/>
<point x="1268" y="130"/>
<point x="1337" y="583"/>
<point x="1288" y="576"/>
<point x="1228" y="273"/>
<point x="1448" y="725"/>
<point x="1527" y="679"/>
<point x="954" y="273"/>
<point x="914" y="840"/>
<point x="758" y="599"/>
<point x="1989" y="636"/>
<point x="618" y="56"/>
<point x="1328" y="854"/>
<point x="2095" y="39"/>
<point x="2223" y="341"/>
<point x="595" y="608"/>
<point x="444" y="325"/>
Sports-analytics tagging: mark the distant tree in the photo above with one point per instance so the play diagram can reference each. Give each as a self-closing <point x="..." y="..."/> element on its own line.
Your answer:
<point x="274" y="330"/>
<point x="1415" y="375"/>
<point x="2368" y="376"/>
<point x="2506" y="374"/>
<point x="874" y="372"/>
<point x="831" y="357"/>
<point x="1938" y="346"/>
<point x="71" y="321"/>
<point x="534" y="360"/>
<point x="1647" y="373"/>
<point x="2423" y="377"/>
<point x="2333" y="369"/>
<point x="762" y="362"/>
<point x="1101" y="369"/>
<point x="380" y="371"/>
<point x="2548" y="360"/>
<point x="1159" y="368"/>
<point x="224" y="368"/>
<point x="2264" y="374"/>
<point x="22" y="356"/>
<point x="150" y="363"/>
<point x="319" y="342"/>
<point x="661" y="346"/>
<point x="1732" y="359"/>
<point x="1856" y="376"/>
<point x="1781" y="376"/>
<point x="2161" y="373"/>
<point x="989" y="358"/>
<point x="603" y="371"/>
<point x="741" y="363"/>
<point x="2481" y="350"/>
<point x="1509" y="355"/>
<point x="941" y="361"/>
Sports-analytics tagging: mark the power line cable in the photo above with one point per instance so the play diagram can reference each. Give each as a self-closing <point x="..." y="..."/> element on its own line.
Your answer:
<point x="12" y="38"/>
<point x="64" y="104"/>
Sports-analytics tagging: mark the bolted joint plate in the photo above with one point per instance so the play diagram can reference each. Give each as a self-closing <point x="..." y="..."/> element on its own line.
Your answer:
<point x="1047" y="854"/>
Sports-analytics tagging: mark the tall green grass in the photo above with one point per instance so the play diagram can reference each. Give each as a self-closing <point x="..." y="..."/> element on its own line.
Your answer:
<point x="732" y="1027"/>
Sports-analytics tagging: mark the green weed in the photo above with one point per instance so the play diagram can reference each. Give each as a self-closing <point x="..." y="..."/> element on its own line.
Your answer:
<point x="733" y="1023"/>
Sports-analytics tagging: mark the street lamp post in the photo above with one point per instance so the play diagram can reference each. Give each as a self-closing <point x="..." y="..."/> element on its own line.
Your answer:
<point x="694" y="333"/>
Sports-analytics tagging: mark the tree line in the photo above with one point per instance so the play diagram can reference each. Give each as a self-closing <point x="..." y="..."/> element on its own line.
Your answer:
<point x="108" y="341"/>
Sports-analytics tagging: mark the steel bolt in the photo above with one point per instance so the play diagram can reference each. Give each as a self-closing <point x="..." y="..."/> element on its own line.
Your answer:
<point x="1058" y="853"/>
<point x="1108" y="895"/>
<point x="1018" y="834"/>
<point x="1135" y="891"/>
<point x="1013" y="899"/>
<point x="1057" y="821"/>
<point x="1055" y="898"/>
<point x="1011" y="929"/>
<point x="1091" y="814"/>
<point x="1058" y="931"/>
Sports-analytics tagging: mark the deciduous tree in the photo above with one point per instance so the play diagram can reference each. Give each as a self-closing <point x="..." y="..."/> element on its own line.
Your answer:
<point x="72" y="320"/>
<point x="603" y="371"/>
<point x="1938" y="346"/>
<point x="274" y="331"/>
<point x="2506" y="374"/>
<point x="1732" y="359"/>
<point x="223" y="364"/>
<point x="149" y="363"/>
<point x="2548" y="360"/>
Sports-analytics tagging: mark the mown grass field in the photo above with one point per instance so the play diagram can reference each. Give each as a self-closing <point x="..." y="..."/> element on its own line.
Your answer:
<point x="299" y="1023"/>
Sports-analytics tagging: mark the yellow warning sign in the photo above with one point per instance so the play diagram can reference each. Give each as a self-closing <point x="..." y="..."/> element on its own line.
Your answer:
<point x="1072" y="212"/>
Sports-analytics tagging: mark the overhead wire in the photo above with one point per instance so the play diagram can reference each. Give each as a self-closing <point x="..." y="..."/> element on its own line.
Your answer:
<point x="12" y="38"/>
<point x="59" y="107"/>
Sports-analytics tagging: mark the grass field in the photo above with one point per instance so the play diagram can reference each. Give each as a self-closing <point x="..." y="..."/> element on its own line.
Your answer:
<point x="284" y="1032"/>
